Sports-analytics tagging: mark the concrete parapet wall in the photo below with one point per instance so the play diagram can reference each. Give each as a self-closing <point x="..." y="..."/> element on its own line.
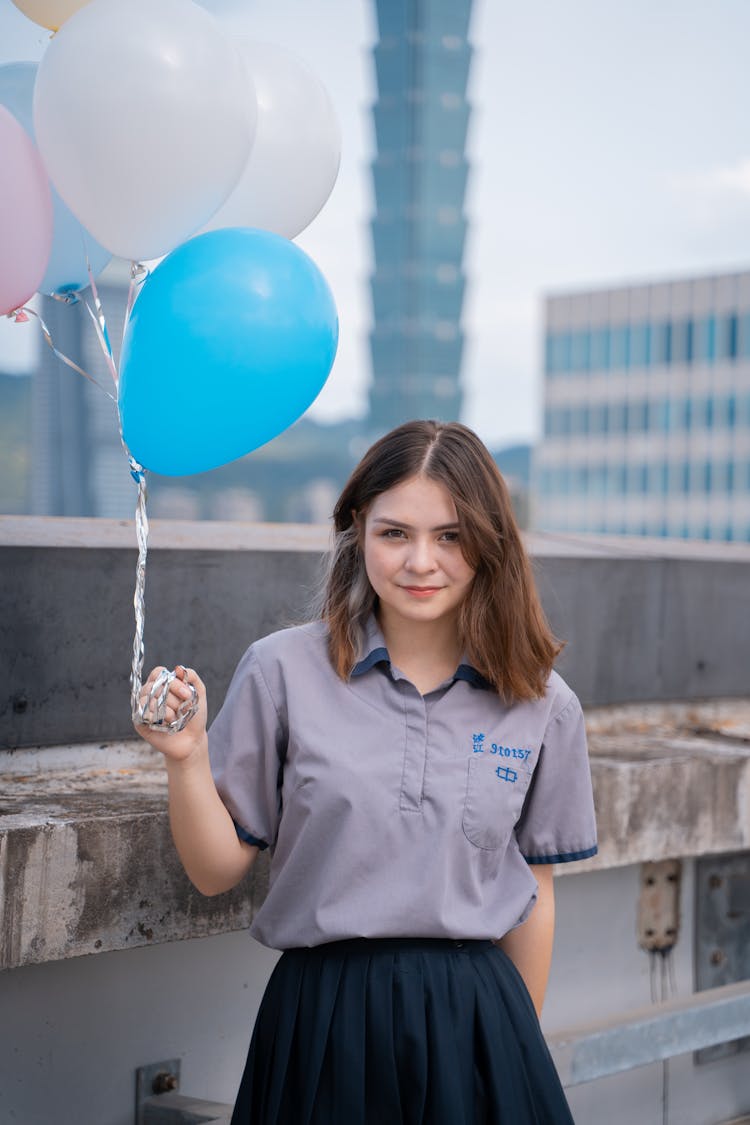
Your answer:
<point x="643" y="620"/>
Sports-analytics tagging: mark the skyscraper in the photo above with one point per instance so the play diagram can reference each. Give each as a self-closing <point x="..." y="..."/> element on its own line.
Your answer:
<point x="421" y="117"/>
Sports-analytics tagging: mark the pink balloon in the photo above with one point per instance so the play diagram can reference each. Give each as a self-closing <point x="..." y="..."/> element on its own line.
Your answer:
<point x="25" y="215"/>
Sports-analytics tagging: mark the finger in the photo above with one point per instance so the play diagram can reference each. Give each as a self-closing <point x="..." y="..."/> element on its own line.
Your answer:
<point x="155" y="673"/>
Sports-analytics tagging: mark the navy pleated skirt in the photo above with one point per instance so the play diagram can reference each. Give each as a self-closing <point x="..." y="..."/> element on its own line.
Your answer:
<point x="398" y="1032"/>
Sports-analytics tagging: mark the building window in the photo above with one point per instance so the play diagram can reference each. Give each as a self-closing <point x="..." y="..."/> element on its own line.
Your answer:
<point x="640" y="345"/>
<point x="580" y="351"/>
<point x="599" y="355"/>
<point x="620" y="346"/>
<point x="662" y="343"/>
<point x="728" y="332"/>
<point x="707" y="339"/>
<point x="743" y="334"/>
<point x="682" y="341"/>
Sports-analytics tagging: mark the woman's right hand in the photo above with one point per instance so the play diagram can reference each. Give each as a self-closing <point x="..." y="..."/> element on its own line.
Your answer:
<point x="177" y="746"/>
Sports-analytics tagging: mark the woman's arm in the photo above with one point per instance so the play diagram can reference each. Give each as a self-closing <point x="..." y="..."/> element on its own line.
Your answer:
<point x="212" y="854"/>
<point x="529" y="945"/>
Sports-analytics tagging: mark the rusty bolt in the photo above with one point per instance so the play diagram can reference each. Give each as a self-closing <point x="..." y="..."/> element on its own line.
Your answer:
<point x="164" y="1082"/>
<point x="718" y="957"/>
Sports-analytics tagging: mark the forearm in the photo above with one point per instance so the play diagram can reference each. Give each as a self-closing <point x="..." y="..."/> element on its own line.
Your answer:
<point x="529" y="945"/>
<point x="212" y="854"/>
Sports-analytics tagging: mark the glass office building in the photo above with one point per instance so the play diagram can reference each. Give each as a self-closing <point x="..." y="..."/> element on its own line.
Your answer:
<point x="422" y="62"/>
<point x="647" y="411"/>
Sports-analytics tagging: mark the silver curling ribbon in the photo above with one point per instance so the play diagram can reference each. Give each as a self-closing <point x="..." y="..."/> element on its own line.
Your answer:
<point x="150" y="710"/>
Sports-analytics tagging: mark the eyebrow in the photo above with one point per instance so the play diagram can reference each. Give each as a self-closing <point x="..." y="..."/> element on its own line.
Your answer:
<point x="408" y="527"/>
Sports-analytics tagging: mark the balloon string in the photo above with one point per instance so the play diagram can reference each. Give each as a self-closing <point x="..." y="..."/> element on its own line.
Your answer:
<point x="139" y="597"/>
<point x="150" y="711"/>
<point x="22" y="314"/>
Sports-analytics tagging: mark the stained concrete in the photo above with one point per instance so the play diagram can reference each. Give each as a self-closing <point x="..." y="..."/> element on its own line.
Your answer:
<point x="87" y="863"/>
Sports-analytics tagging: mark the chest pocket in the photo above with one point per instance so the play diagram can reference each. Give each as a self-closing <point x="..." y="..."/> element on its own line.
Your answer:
<point x="495" y="791"/>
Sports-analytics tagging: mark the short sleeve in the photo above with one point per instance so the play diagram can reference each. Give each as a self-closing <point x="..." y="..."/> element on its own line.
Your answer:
<point x="246" y="742"/>
<point x="557" y="823"/>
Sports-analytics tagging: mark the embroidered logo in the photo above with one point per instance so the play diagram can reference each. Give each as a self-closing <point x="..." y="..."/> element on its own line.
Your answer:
<point x="505" y="773"/>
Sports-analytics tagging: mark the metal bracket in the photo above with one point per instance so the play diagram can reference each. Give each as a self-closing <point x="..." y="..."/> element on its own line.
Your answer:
<point x="156" y="1078"/>
<point x="157" y="1101"/>
<point x="659" y="905"/>
<point x="722" y="931"/>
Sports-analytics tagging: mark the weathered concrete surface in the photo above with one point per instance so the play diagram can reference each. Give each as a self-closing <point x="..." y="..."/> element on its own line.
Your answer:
<point x="669" y="781"/>
<point x="644" y="620"/>
<point x="87" y="863"/>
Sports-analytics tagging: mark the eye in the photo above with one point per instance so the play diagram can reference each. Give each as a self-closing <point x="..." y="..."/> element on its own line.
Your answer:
<point x="393" y="533"/>
<point x="449" y="537"/>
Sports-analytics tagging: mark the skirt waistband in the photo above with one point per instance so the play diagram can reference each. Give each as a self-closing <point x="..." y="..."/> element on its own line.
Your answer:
<point x="384" y="944"/>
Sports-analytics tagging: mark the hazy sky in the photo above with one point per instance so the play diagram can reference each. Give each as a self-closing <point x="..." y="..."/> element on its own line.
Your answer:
<point x="610" y="141"/>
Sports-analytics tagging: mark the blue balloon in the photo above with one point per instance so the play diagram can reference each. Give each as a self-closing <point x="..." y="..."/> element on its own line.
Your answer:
<point x="230" y="340"/>
<point x="71" y="243"/>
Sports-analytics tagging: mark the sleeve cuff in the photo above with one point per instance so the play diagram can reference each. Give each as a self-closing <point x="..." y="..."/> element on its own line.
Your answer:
<point x="562" y="857"/>
<point x="249" y="838"/>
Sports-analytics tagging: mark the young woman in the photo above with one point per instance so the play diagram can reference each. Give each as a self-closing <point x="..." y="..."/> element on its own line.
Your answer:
<point x="415" y="767"/>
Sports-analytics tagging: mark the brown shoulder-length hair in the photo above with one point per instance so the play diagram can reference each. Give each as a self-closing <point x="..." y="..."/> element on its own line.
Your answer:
<point x="502" y="625"/>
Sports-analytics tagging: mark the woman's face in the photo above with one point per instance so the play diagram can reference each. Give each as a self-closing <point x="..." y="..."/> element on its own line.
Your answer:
<point x="413" y="553"/>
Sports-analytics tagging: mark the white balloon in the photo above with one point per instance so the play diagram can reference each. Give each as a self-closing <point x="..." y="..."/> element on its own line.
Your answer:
<point x="295" y="159"/>
<point x="144" y="117"/>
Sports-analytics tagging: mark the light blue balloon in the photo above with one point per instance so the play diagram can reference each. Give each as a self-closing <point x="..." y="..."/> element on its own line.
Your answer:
<point x="231" y="339"/>
<point x="71" y="243"/>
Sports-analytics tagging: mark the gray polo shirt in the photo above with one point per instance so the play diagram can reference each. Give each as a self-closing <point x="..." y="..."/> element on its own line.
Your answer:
<point x="389" y="813"/>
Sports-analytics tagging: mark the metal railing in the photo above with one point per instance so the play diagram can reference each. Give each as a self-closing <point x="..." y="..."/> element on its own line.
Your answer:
<point x="581" y="1054"/>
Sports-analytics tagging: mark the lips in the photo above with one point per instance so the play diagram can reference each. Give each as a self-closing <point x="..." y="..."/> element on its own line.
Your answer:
<point x="421" y="591"/>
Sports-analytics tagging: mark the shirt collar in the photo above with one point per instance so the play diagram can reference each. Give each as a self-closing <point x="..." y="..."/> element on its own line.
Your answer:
<point x="374" y="651"/>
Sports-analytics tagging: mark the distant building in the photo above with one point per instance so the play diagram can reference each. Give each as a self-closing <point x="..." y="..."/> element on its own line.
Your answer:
<point x="422" y="61"/>
<point x="15" y="443"/>
<point x="78" y="464"/>
<point x="647" y="410"/>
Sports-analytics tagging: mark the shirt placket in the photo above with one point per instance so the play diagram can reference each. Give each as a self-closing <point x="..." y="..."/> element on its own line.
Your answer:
<point x="415" y="747"/>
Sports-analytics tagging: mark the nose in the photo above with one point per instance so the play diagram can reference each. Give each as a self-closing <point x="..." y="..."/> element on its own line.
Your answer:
<point x="421" y="559"/>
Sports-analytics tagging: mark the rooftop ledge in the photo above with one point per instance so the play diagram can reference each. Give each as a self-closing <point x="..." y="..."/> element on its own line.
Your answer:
<point x="87" y="863"/>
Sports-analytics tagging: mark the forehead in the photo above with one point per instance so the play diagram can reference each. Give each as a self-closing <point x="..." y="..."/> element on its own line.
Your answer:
<point x="416" y="500"/>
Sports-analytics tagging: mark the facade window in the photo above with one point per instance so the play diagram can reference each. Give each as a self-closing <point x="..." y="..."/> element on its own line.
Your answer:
<point x="619" y="352"/>
<point x="707" y="339"/>
<point x="685" y="482"/>
<point x="682" y="341"/>
<point x="559" y="352"/>
<point x="743" y="332"/>
<point x="728" y="333"/>
<point x="640" y="345"/>
<point x="731" y="411"/>
<point x="599" y="355"/>
<point x="579" y="351"/>
<point x="730" y="476"/>
<point x="708" y="476"/>
<point x="709" y="413"/>
<point x="662" y="343"/>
